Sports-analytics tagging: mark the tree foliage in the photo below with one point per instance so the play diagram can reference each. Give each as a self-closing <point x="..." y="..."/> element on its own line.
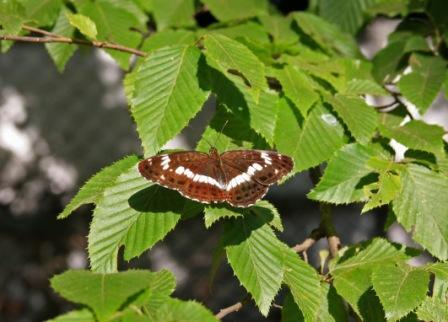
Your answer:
<point x="297" y="84"/>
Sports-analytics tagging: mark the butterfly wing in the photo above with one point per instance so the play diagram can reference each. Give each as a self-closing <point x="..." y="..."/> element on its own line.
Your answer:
<point x="264" y="167"/>
<point x="194" y="174"/>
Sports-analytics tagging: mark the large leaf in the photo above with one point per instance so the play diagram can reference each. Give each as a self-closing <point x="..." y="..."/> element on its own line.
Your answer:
<point x="421" y="206"/>
<point x="167" y="95"/>
<point x="400" y="288"/>
<point x="127" y="215"/>
<point x="114" y="24"/>
<point x="103" y="293"/>
<point x="304" y="283"/>
<point x="352" y="273"/>
<point x="422" y="85"/>
<point x="417" y="135"/>
<point x="226" y="10"/>
<point x="93" y="189"/>
<point x="360" y="118"/>
<point x="348" y="14"/>
<point x="365" y="86"/>
<point x="288" y="126"/>
<point x="342" y="180"/>
<point x="327" y="35"/>
<point x="168" y="37"/>
<point x="83" y="315"/>
<point x="255" y="255"/>
<point x="296" y="86"/>
<point x="280" y="28"/>
<point x="321" y="136"/>
<point x="12" y="15"/>
<point x="61" y="53"/>
<point x="173" y="13"/>
<point x="236" y="61"/>
<point x="42" y="12"/>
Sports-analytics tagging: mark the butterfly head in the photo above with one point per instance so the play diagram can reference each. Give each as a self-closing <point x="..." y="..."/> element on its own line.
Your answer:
<point x="213" y="152"/>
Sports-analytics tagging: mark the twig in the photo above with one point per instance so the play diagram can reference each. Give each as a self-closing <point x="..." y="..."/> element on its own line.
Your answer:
<point x="232" y="308"/>
<point x="41" y="31"/>
<point x="60" y="39"/>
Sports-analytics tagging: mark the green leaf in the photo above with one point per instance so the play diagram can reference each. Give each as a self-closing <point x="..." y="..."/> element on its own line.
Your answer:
<point x="348" y="14"/>
<point x="422" y="85"/>
<point x="225" y="10"/>
<point x="83" y="315"/>
<point x="445" y="84"/>
<point x="296" y="86"/>
<point x="352" y="273"/>
<point x="263" y="114"/>
<point x="439" y="269"/>
<point x="12" y="15"/>
<point x="255" y="255"/>
<point x="173" y="13"/>
<point x="290" y="310"/>
<point x="400" y="288"/>
<point x="327" y="35"/>
<point x="113" y="24"/>
<point x="93" y="189"/>
<point x="433" y="309"/>
<point x="61" y="53"/>
<point x="365" y="86"/>
<point x="103" y="293"/>
<point x="417" y="135"/>
<point x="304" y="283"/>
<point x="167" y="95"/>
<point x="84" y="24"/>
<point x="421" y="206"/>
<point x="288" y="126"/>
<point x="280" y="28"/>
<point x="249" y="30"/>
<point x="321" y="136"/>
<point x="127" y="215"/>
<point x="173" y="310"/>
<point x="388" y="61"/>
<point x="236" y="61"/>
<point x="360" y="118"/>
<point x="386" y="189"/>
<point x="344" y="176"/>
<point x="42" y="12"/>
<point x="168" y="37"/>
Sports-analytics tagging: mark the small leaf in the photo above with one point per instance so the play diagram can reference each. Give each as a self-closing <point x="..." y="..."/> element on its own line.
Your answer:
<point x="387" y="188"/>
<point x="255" y="255"/>
<point x="342" y="180"/>
<point x="235" y="9"/>
<point x="168" y="37"/>
<point x="12" y="15"/>
<point x="103" y="293"/>
<point x="433" y="309"/>
<point x="173" y="13"/>
<point x="83" y="315"/>
<point x="365" y="86"/>
<point x="321" y="136"/>
<point x="421" y="206"/>
<point x="43" y="13"/>
<point x="176" y="311"/>
<point x="280" y="28"/>
<point x="61" y="53"/>
<point x="388" y="61"/>
<point x="439" y="269"/>
<point x="296" y="86"/>
<point x="360" y="118"/>
<point x="84" y="24"/>
<point x="422" y="85"/>
<point x="93" y="189"/>
<point x="236" y="61"/>
<point x="287" y="127"/>
<point x="400" y="288"/>
<point x="167" y="95"/>
<point x="417" y="135"/>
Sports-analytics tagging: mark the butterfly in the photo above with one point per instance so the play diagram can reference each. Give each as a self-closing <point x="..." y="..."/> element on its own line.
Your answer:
<point x="238" y="177"/>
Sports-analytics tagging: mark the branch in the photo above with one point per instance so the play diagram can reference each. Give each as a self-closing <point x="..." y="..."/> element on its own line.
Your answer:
<point x="52" y="38"/>
<point x="233" y="308"/>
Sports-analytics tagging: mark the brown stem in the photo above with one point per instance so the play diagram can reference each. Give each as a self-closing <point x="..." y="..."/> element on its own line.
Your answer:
<point x="60" y="39"/>
<point x="232" y="308"/>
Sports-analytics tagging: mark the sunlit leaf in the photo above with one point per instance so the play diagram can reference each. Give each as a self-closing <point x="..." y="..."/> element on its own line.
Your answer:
<point x="173" y="13"/>
<point x="84" y="24"/>
<point x="225" y="10"/>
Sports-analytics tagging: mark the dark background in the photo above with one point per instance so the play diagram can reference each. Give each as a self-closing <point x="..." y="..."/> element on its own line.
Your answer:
<point x="56" y="130"/>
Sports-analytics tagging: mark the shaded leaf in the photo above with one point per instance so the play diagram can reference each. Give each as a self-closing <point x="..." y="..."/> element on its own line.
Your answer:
<point x="360" y="118"/>
<point x="42" y="12"/>
<point x="174" y="13"/>
<point x="168" y="37"/>
<point x="439" y="269"/>
<point x="421" y="206"/>
<point x="83" y="315"/>
<point x="255" y="255"/>
<point x="388" y="61"/>
<point x="225" y="10"/>
<point x="12" y="15"/>
<point x="61" y="53"/>
<point x="167" y="95"/>
<point x="177" y="311"/>
<point x="386" y="189"/>
<point x="422" y="85"/>
<point x="287" y="127"/>
<point x="417" y="135"/>
<point x="433" y="309"/>
<point x="342" y="179"/>
<point x="400" y="288"/>
<point x="280" y="28"/>
<point x="103" y="293"/>
<point x="365" y="86"/>
<point x="93" y="189"/>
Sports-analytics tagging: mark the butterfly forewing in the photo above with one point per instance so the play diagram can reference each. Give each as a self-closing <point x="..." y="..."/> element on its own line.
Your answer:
<point x="193" y="174"/>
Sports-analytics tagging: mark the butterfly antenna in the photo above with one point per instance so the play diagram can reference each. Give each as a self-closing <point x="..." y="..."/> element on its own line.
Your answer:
<point x="220" y="132"/>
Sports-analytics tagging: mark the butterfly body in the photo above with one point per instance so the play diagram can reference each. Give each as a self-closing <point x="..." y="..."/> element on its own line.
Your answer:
<point x="238" y="177"/>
